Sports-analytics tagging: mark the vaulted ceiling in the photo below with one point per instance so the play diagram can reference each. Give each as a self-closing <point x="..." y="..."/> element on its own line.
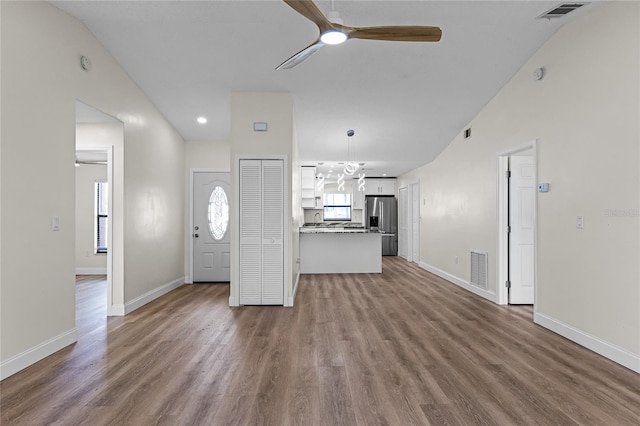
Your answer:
<point x="406" y="101"/>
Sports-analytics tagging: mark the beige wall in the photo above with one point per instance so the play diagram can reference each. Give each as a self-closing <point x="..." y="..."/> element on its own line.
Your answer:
<point x="584" y="116"/>
<point x="87" y="260"/>
<point x="214" y="155"/>
<point x="41" y="82"/>
<point x="276" y="109"/>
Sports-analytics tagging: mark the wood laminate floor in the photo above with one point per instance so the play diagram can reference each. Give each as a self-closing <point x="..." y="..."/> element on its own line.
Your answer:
<point x="399" y="348"/>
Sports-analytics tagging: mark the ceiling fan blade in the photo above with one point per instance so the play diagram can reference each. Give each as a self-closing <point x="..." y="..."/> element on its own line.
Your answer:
<point x="310" y="11"/>
<point x="396" y="33"/>
<point x="301" y="55"/>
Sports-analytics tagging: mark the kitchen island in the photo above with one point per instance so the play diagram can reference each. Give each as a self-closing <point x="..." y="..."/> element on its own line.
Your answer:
<point x="340" y="251"/>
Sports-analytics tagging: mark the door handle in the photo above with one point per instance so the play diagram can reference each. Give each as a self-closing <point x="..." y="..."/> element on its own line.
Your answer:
<point x="196" y="235"/>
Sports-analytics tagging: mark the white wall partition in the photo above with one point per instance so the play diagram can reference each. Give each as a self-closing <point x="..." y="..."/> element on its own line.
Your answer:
<point x="278" y="142"/>
<point x="41" y="81"/>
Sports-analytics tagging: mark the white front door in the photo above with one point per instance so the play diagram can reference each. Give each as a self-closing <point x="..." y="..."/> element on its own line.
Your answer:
<point x="522" y="193"/>
<point x="211" y="241"/>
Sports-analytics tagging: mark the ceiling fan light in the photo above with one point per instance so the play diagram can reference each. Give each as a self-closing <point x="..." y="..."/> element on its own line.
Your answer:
<point x="333" y="37"/>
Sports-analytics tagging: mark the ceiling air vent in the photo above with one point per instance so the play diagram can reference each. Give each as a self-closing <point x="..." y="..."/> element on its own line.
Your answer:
<point x="562" y="10"/>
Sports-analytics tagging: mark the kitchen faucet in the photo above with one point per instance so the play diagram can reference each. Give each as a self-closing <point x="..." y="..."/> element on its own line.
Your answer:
<point x="316" y="216"/>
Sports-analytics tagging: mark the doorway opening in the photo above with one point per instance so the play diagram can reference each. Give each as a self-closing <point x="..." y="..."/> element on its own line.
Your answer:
<point x="517" y="225"/>
<point x="409" y="222"/>
<point x="403" y="223"/>
<point x="97" y="136"/>
<point x="414" y="223"/>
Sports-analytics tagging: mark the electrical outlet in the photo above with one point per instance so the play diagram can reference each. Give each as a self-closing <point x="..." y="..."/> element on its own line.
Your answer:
<point x="579" y="222"/>
<point x="55" y="223"/>
<point x="455" y="260"/>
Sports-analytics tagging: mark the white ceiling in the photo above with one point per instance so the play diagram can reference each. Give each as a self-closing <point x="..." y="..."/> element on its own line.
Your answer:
<point x="405" y="101"/>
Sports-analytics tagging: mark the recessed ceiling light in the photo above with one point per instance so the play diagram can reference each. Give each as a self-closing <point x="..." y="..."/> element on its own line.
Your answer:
<point x="202" y="120"/>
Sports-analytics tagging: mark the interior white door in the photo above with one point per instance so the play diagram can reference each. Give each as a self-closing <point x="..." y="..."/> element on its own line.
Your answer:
<point x="415" y="223"/>
<point x="272" y="232"/>
<point x="261" y="232"/>
<point x="522" y="192"/>
<point x="211" y="241"/>
<point x="250" y="232"/>
<point x="403" y="212"/>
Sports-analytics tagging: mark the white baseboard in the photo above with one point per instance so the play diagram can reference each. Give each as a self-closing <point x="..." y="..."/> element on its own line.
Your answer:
<point x="91" y="271"/>
<point x="234" y="301"/>
<point x="459" y="282"/>
<point x="295" y="291"/>
<point x="29" y="357"/>
<point x="117" y="310"/>
<point x="188" y="280"/>
<point x="149" y="296"/>
<point x="597" y="345"/>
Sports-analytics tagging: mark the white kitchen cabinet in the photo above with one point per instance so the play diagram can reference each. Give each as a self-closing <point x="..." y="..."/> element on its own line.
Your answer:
<point x="357" y="199"/>
<point x="380" y="187"/>
<point x="319" y="198"/>
<point x="308" y="187"/>
<point x="261" y="232"/>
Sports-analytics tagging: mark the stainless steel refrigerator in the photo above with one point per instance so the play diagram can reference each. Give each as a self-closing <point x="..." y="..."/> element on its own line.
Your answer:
<point x="382" y="215"/>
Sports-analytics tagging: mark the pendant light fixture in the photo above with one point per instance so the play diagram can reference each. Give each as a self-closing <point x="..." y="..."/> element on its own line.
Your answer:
<point x="351" y="166"/>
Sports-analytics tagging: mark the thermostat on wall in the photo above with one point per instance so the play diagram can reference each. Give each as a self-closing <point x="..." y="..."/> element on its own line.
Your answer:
<point x="543" y="187"/>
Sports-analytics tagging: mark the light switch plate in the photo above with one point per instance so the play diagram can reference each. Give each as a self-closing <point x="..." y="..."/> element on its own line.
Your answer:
<point x="55" y="223"/>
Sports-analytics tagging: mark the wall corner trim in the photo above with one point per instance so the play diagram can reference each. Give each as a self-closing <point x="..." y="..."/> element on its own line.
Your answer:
<point x="459" y="282"/>
<point x="608" y="350"/>
<point x="149" y="296"/>
<point x="233" y="301"/>
<point x="32" y="355"/>
<point x="292" y="298"/>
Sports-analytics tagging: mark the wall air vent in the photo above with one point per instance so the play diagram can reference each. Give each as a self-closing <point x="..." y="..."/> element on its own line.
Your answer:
<point x="479" y="269"/>
<point x="562" y="10"/>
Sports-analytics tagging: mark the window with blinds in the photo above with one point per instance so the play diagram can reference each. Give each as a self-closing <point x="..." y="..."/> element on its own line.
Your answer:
<point x="102" y="204"/>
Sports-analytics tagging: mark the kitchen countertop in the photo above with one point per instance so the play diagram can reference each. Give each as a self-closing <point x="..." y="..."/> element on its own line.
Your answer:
<point x="323" y="230"/>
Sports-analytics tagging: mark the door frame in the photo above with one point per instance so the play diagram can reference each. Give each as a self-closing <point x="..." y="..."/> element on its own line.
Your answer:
<point x="234" y="285"/>
<point x="502" y="258"/>
<point x="108" y="149"/>
<point x="414" y="187"/>
<point x="192" y="172"/>
<point x="405" y="211"/>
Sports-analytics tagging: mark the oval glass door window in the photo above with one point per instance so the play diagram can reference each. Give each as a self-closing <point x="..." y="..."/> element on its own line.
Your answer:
<point x="218" y="213"/>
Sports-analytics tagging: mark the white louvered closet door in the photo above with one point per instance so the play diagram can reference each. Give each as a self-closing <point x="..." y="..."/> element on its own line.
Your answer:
<point x="250" y="231"/>
<point x="272" y="232"/>
<point x="261" y="232"/>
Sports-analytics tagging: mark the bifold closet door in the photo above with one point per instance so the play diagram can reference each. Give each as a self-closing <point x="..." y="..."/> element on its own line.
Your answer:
<point x="261" y="232"/>
<point x="272" y="232"/>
